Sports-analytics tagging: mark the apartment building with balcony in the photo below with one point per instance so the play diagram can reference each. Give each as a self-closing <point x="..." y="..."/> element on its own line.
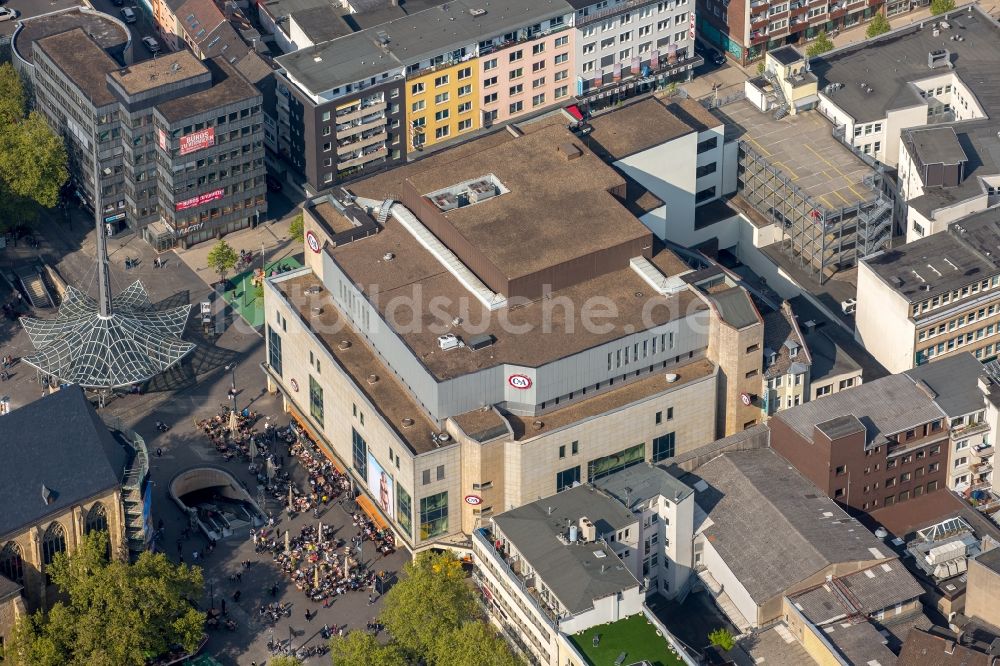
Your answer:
<point x="585" y="557"/>
<point x="957" y="384"/>
<point x="933" y="298"/>
<point x="626" y="47"/>
<point x="746" y="29"/>
<point x="483" y="406"/>
<point x="177" y="142"/>
<point x="420" y="79"/>
<point x="872" y="446"/>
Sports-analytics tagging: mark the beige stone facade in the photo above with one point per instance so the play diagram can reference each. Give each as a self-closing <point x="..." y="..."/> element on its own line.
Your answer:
<point x="23" y="553"/>
<point x="738" y="353"/>
<point x="982" y="596"/>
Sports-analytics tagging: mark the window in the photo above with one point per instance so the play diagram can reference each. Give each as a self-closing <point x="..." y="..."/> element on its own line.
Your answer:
<point x="574" y="447"/>
<point x="315" y="400"/>
<point x="425" y="477"/>
<point x="442" y="115"/>
<point x="538" y="66"/>
<point x="440" y="472"/>
<point x="838" y="493"/>
<point x="516" y="107"/>
<point x="566" y="478"/>
<point x="705" y="170"/>
<point x="359" y="450"/>
<point x="11" y="563"/>
<point x="492" y="81"/>
<point x="561" y="92"/>
<point x="419" y="105"/>
<point x="561" y="41"/>
<point x="464" y="125"/>
<point x="708" y="144"/>
<point x="442" y="132"/>
<point x="274" y="350"/>
<point x="441" y="81"/>
<point x="465" y="90"/>
<point x="663" y="447"/>
<point x="562" y="451"/>
<point x="53" y="541"/>
<point x="538" y="100"/>
<point x="441" y="98"/>
<point x="404" y="510"/>
<point x="841" y="470"/>
<point x="705" y="194"/>
<point x="97" y="519"/>
<point x="538" y="48"/>
<point x="515" y="56"/>
<point x="416" y="88"/>
<point x="516" y="90"/>
<point x="489" y="64"/>
<point x="434" y="515"/>
<point x="464" y="107"/>
<point x="538" y="83"/>
<point x="464" y="73"/>
<point x="516" y="73"/>
<point x="490" y="99"/>
<point x="605" y="465"/>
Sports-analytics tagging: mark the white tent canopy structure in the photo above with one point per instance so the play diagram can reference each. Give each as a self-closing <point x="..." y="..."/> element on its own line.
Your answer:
<point x="111" y="342"/>
<point x="133" y="344"/>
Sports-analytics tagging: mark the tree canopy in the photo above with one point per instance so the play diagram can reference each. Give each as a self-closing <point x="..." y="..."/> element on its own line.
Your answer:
<point x="433" y="618"/>
<point x="878" y="26"/>
<point x="939" y="7"/>
<point x="114" y="613"/>
<point x="296" y="229"/>
<point x="222" y="258"/>
<point x="820" y="45"/>
<point x="32" y="157"/>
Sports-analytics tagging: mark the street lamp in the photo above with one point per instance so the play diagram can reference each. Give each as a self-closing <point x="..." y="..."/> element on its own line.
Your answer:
<point x="232" y="389"/>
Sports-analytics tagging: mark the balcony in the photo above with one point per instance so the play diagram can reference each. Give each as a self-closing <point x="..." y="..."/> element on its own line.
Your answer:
<point x="982" y="451"/>
<point x="363" y="158"/>
<point x="613" y="10"/>
<point x="969" y="429"/>
<point x="983" y="467"/>
<point x="359" y="125"/>
<point x="359" y="111"/>
<point x="481" y="537"/>
<point x="357" y="143"/>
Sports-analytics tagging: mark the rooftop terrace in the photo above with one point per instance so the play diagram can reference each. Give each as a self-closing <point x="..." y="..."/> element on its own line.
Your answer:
<point x="634" y="636"/>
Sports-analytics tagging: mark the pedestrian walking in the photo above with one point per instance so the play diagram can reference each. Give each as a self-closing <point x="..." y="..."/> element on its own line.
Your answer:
<point x="371" y="599"/>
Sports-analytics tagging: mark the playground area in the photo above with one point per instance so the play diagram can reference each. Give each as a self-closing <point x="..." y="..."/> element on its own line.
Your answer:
<point x="245" y="291"/>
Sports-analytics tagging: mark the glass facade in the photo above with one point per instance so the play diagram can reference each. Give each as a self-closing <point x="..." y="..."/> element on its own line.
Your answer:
<point x="274" y="350"/>
<point x="566" y="478"/>
<point x="434" y="515"/>
<point x="605" y="465"/>
<point x="663" y="447"/>
<point x="360" y="450"/>
<point x="315" y="400"/>
<point x="404" y="510"/>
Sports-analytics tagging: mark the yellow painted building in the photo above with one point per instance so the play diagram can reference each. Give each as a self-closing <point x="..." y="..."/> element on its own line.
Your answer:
<point x="442" y="103"/>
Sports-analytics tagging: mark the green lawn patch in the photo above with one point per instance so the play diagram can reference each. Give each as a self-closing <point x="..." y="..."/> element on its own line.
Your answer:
<point x="634" y="636"/>
<point x="242" y="295"/>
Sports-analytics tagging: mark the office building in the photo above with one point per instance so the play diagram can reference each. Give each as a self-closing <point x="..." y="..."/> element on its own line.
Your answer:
<point x="933" y="298"/>
<point x="983" y="596"/>
<point x="179" y="148"/>
<point x="501" y="393"/>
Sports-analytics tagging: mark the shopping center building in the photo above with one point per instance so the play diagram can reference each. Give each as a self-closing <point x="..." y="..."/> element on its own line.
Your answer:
<point x="493" y="324"/>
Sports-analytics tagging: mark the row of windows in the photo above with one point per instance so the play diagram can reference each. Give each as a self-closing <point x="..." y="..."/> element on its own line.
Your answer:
<point x="954" y="295"/>
<point x="958" y="322"/>
<point x="53" y="542"/>
<point x="903" y="496"/>
<point x="961" y="340"/>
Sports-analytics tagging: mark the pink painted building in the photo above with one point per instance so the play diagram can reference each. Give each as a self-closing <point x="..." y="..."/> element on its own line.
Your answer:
<point x="519" y="78"/>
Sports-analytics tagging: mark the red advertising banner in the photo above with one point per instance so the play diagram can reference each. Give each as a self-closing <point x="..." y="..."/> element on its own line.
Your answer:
<point x="163" y="139"/>
<point x="200" y="199"/>
<point x="197" y="140"/>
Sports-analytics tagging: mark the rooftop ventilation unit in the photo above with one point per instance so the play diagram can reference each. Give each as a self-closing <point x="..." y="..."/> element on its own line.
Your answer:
<point x="477" y="11"/>
<point x="445" y="201"/>
<point x="939" y="58"/>
<point x="482" y="341"/>
<point x="449" y="341"/>
<point x="481" y="190"/>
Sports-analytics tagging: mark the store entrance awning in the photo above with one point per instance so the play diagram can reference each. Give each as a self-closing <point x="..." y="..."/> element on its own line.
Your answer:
<point x="574" y="111"/>
<point x="371" y="511"/>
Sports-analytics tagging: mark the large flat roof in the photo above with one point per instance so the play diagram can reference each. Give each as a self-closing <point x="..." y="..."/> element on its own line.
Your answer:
<point x="955" y="380"/>
<point x="635" y="128"/>
<point x="574" y="573"/>
<point x="413" y="38"/>
<point x="169" y="69"/>
<point x="228" y="87"/>
<point x="888" y="64"/>
<point x="886" y="406"/>
<point x="967" y="251"/>
<point x="357" y="359"/>
<point x="771" y="526"/>
<point x="640" y="483"/>
<point x="83" y="60"/>
<point x="803" y="148"/>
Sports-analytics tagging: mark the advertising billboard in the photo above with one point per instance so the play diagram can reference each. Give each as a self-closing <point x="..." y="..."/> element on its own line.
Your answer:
<point x="380" y="486"/>
<point x="200" y="199"/>
<point x="197" y="140"/>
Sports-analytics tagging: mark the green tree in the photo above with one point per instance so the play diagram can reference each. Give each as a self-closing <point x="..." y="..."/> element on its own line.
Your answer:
<point x="114" y="613"/>
<point x="430" y="601"/>
<point x="474" y="643"/>
<point x="283" y="660"/>
<point x="295" y="230"/>
<point x="878" y="26"/>
<point x="360" y="647"/>
<point x="820" y="45"/>
<point x="32" y="157"/>
<point x="722" y="638"/>
<point x="222" y="258"/>
<point x="939" y="7"/>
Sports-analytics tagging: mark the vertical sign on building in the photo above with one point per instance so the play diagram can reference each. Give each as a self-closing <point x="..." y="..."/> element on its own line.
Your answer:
<point x="163" y="138"/>
<point x="691" y="29"/>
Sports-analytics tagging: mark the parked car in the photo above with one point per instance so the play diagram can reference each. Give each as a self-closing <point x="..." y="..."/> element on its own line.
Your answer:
<point x="7" y="14"/>
<point x="151" y="44"/>
<point x="273" y="183"/>
<point x="128" y="15"/>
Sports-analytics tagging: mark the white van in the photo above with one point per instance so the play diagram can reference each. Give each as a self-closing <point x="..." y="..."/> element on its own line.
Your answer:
<point x="128" y="15"/>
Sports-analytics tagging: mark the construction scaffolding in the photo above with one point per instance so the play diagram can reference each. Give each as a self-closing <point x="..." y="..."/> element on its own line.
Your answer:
<point x="822" y="239"/>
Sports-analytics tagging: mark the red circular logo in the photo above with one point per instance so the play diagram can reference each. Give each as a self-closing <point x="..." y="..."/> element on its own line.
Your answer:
<point x="312" y="242"/>
<point x="520" y="382"/>
<point x="474" y="500"/>
<point x="746" y="399"/>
